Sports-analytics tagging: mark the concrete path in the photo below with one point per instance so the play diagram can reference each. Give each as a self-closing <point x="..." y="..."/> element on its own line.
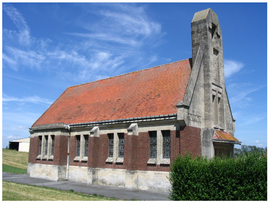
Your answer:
<point x="107" y="191"/>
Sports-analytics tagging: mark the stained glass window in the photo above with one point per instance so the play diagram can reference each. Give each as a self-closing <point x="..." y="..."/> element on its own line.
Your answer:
<point x="52" y="152"/>
<point x="46" y="144"/>
<point x="110" y="145"/>
<point x="86" y="145"/>
<point x="78" y="145"/>
<point x="166" y="144"/>
<point x="40" y="145"/>
<point x="121" y="144"/>
<point x="153" y="144"/>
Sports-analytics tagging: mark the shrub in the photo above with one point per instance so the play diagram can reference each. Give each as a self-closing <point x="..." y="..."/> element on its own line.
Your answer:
<point x="244" y="178"/>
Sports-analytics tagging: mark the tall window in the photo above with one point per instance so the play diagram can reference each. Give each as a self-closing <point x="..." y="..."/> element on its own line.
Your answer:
<point x="86" y="145"/>
<point x="110" y="144"/>
<point x="46" y="147"/>
<point x="121" y="144"/>
<point x="166" y="144"/>
<point x="52" y="150"/>
<point x="153" y="144"/>
<point x="40" y="145"/>
<point x="46" y="144"/>
<point x="78" y="146"/>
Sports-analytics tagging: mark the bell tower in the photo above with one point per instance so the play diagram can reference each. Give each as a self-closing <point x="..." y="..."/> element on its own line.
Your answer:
<point x="207" y="38"/>
<point x="205" y="104"/>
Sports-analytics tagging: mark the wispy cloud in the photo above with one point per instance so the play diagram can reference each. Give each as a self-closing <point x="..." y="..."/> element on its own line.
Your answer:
<point x="242" y="93"/>
<point x="27" y="58"/>
<point x="122" y="23"/>
<point x="18" y="20"/>
<point x="12" y="63"/>
<point x="109" y="37"/>
<point x="32" y="99"/>
<point x="111" y="43"/>
<point x="132" y="21"/>
<point x="231" y="67"/>
<point x="253" y="119"/>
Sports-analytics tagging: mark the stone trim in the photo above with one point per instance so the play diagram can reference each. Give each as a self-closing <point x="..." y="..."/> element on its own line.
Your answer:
<point x="81" y="157"/>
<point x="95" y="132"/>
<point x="159" y="159"/>
<point x="126" y="120"/>
<point x="46" y="153"/>
<point x="115" y="158"/>
<point x="48" y="127"/>
<point x="133" y="129"/>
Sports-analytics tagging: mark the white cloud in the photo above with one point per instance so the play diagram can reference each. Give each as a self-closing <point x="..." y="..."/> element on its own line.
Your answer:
<point x="18" y="20"/>
<point x="12" y="63"/>
<point x="134" y="22"/>
<point x="231" y="67"/>
<point x="93" y="57"/>
<point x="257" y="141"/>
<point x="32" y="99"/>
<point x="253" y="119"/>
<point x="124" y="24"/>
<point x="109" y="37"/>
<point x="27" y="58"/>
<point x="243" y="93"/>
<point x="11" y="137"/>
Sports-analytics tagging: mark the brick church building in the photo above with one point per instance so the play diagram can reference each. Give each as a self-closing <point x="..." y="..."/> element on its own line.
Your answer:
<point x="126" y="130"/>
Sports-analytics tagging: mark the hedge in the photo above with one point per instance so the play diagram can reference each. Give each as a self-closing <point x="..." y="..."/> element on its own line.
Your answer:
<point x="199" y="178"/>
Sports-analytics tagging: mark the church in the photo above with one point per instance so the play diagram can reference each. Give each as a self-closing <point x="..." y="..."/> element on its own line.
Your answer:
<point x="126" y="130"/>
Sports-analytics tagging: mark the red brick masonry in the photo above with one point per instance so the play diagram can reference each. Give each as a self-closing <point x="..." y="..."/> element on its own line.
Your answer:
<point x="136" y="154"/>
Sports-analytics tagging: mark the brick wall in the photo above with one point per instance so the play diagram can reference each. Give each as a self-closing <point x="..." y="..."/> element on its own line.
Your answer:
<point x="93" y="152"/>
<point x="60" y="151"/>
<point x="175" y="144"/>
<point x="131" y="151"/>
<point x="33" y="150"/>
<point x="136" y="155"/>
<point x="190" y="140"/>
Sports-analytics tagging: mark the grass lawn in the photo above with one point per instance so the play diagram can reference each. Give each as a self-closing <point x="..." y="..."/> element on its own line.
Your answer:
<point x="11" y="169"/>
<point x="15" y="192"/>
<point x="15" y="159"/>
<point x="16" y="162"/>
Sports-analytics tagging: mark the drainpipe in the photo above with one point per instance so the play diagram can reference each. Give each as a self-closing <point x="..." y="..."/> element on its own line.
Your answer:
<point x="67" y="170"/>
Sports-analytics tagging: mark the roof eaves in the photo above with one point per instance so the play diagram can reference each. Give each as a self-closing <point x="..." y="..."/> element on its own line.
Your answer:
<point x="226" y="141"/>
<point x="127" y="120"/>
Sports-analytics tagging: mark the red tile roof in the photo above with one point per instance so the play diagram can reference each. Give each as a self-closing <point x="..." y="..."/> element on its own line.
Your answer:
<point x="221" y="135"/>
<point x="148" y="92"/>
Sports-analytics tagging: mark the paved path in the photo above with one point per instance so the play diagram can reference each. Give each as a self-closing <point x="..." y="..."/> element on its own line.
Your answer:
<point x="116" y="192"/>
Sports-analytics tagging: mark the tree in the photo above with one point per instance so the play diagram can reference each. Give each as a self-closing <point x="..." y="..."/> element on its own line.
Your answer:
<point x="246" y="149"/>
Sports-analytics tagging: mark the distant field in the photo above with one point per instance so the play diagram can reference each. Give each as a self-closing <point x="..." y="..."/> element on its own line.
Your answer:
<point x="19" y="192"/>
<point x="14" y="161"/>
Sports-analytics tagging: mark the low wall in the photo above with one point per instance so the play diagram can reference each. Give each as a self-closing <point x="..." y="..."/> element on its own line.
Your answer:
<point x="45" y="171"/>
<point x="143" y="180"/>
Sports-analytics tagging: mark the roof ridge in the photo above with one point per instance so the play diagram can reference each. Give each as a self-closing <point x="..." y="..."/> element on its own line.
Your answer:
<point x="125" y="74"/>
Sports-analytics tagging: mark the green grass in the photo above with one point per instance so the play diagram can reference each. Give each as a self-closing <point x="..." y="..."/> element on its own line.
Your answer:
<point x="16" y="162"/>
<point x="14" y="158"/>
<point x="19" y="192"/>
<point x="11" y="169"/>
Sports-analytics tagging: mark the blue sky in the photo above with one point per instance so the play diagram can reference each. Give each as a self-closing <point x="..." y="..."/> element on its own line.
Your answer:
<point x="47" y="47"/>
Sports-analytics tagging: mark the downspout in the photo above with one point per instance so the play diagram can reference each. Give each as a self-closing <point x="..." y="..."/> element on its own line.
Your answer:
<point x="67" y="170"/>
